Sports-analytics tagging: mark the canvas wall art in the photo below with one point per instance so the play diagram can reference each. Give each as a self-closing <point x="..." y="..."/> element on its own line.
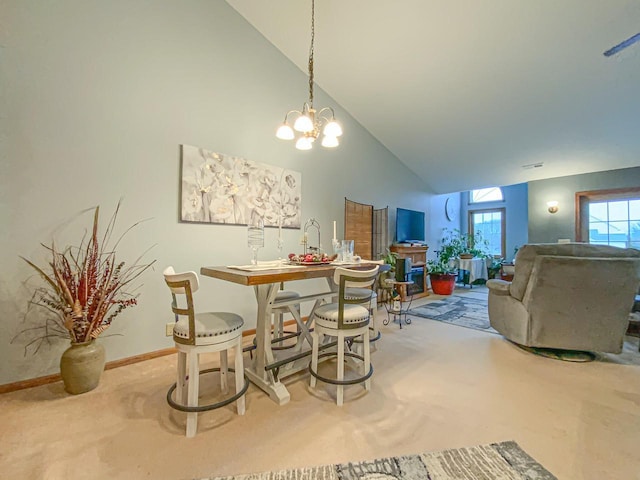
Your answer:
<point x="220" y="188"/>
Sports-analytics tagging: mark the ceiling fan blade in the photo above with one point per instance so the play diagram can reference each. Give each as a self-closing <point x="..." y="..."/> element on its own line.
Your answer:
<point x="622" y="45"/>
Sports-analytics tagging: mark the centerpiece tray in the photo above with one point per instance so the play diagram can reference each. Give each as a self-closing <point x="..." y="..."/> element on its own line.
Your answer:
<point x="309" y="263"/>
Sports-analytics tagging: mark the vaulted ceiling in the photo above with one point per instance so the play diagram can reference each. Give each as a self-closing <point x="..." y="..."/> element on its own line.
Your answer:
<point x="469" y="93"/>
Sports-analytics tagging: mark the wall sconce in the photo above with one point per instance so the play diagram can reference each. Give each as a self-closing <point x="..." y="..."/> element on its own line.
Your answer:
<point x="552" y="206"/>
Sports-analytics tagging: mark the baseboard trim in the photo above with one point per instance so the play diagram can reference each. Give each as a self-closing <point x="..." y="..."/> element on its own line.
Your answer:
<point x="38" y="381"/>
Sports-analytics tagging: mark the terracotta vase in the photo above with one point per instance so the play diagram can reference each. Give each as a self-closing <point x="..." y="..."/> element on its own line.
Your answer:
<point x="81" y="366"/>
<point x="442" y="283"/>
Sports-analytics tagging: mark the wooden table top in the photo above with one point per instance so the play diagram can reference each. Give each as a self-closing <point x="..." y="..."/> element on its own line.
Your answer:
<point x="276" y="275"/>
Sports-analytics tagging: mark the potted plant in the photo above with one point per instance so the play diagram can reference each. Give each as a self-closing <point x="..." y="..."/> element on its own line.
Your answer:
<point x="84" y="289"/>
<point x="456" y="244"/>
<point x="493" y="268"/>
<point x="389" y="258"/>
<point x="442" y="276"/>
<point x="452" y="244"/>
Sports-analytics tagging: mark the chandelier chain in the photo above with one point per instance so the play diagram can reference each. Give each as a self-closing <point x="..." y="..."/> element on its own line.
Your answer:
<point x="313" y="34"/>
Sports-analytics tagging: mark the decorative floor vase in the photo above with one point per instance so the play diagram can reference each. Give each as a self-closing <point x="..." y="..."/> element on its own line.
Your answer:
<point x="442" y="283"/>
<point x="81" y="366"/>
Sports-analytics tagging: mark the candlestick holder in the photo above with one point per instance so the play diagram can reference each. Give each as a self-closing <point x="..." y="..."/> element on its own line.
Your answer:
<point x="312" y="222"/>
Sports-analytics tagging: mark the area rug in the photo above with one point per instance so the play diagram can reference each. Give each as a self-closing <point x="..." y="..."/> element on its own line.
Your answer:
<point x="502" y="461"/>
<point x="462" y="310"/>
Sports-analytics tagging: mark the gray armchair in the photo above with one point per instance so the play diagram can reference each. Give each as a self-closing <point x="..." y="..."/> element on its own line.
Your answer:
<point x="571" y="296"/>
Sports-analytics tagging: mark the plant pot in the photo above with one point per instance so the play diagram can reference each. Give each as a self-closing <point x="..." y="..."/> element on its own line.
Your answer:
<point x="442" y="283"/>
<point x="466" y="256"/>
<point x="81" y="366"/>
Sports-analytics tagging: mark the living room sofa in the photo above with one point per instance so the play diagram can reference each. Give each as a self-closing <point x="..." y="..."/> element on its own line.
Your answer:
<point x="571" y="296"/>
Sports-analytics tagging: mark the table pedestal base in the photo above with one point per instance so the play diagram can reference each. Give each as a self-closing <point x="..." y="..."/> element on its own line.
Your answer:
<point x="276" y="390"/>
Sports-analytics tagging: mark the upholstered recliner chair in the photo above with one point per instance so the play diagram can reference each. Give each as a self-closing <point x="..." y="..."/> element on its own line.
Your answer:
<point x="571" y="296"/>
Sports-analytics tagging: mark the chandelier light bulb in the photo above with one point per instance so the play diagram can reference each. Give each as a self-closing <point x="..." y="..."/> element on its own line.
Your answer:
<point x="303" y="143"/>
<point x="330" y="141"/>
<point x="309" y="122"/>
<point x="332" y="129"/>
<point x="303" y="124"/>
<point x="285" y="132"/>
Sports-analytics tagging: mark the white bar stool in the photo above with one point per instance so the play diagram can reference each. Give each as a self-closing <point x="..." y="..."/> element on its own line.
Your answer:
<point x="194" y="334"/>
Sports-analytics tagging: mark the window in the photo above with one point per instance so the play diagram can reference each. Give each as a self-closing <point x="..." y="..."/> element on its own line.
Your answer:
<point x="609" y="217"/>
<point x="493" y="194"/>
<point x="491" y="225"/>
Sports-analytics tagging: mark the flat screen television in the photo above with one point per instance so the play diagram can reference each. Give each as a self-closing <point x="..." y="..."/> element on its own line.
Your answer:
<point x="409" y="226"/>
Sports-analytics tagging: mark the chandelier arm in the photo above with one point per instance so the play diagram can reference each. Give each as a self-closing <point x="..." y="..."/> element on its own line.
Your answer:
<point x="333" y="114"/>
<point x="313" y="34"/>
<point x="286" y="117"/>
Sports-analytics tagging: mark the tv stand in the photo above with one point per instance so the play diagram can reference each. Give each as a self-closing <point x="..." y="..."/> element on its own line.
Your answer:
<point x="418" y="256"/>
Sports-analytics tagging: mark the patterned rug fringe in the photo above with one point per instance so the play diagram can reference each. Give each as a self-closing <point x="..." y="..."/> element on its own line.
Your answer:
<point x="501" y="461"/>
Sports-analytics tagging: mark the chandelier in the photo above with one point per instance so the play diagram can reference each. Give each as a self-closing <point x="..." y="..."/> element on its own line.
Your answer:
<point x="309" y="122"/>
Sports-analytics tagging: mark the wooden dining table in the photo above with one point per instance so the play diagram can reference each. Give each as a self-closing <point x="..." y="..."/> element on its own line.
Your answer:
<point x="268" y="366"/>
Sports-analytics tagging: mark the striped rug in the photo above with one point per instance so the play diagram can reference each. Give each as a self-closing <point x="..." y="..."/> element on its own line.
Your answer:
<point x="467" y="310"/>
<point x="497" y="461"/>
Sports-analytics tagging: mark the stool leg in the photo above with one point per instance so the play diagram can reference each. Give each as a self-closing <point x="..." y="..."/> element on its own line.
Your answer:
<point x="367" y="358"/>
<point x="314" y="357"/>
<point x="279" y="324"/>
<point x="224" y="368"/>
<point x="374" y="316"/>
<point x="239" y="366"/>
<point x="340" y="392"/>
<point x="181" y="380"/>
<point x="194" y="383"/>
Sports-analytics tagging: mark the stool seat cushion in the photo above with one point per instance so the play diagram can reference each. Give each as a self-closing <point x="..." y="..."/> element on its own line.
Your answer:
<point x="327" y="315"/>
<point x="283" y="295"/>
<point x="353" y="293"/>
<point x="287" y="295"/>
<point x="211" y="327"/>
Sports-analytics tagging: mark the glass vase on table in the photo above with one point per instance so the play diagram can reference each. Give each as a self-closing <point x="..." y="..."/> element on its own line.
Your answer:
<point x="337" y="249"/>
<point x="347" y="250"/>
<point x="255" y="238"/>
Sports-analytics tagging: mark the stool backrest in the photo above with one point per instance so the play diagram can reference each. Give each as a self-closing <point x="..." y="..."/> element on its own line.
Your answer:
<point x="345" y="278"/>
<point x="184" y="283"/>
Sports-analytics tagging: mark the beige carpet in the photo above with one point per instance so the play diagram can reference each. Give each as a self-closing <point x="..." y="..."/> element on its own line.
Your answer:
<point x="469" y="308"/>
<point x="435" y="387"/>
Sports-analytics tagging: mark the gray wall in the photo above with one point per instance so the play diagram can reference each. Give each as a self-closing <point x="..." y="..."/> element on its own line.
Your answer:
<point x="96" y="99"/>
<point x="516" y="211"/>
<point x="545" y="227"/>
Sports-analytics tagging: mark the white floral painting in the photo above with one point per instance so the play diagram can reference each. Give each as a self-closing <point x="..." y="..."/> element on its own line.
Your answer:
<point x="220" y="188"/>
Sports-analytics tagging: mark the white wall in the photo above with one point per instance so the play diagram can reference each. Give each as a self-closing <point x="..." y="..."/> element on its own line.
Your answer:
<point x="439" y="223"/>
<point x="96" y="99"/>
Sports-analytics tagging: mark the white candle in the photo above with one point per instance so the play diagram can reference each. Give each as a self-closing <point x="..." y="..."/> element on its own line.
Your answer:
<point x="334" y="230"/>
